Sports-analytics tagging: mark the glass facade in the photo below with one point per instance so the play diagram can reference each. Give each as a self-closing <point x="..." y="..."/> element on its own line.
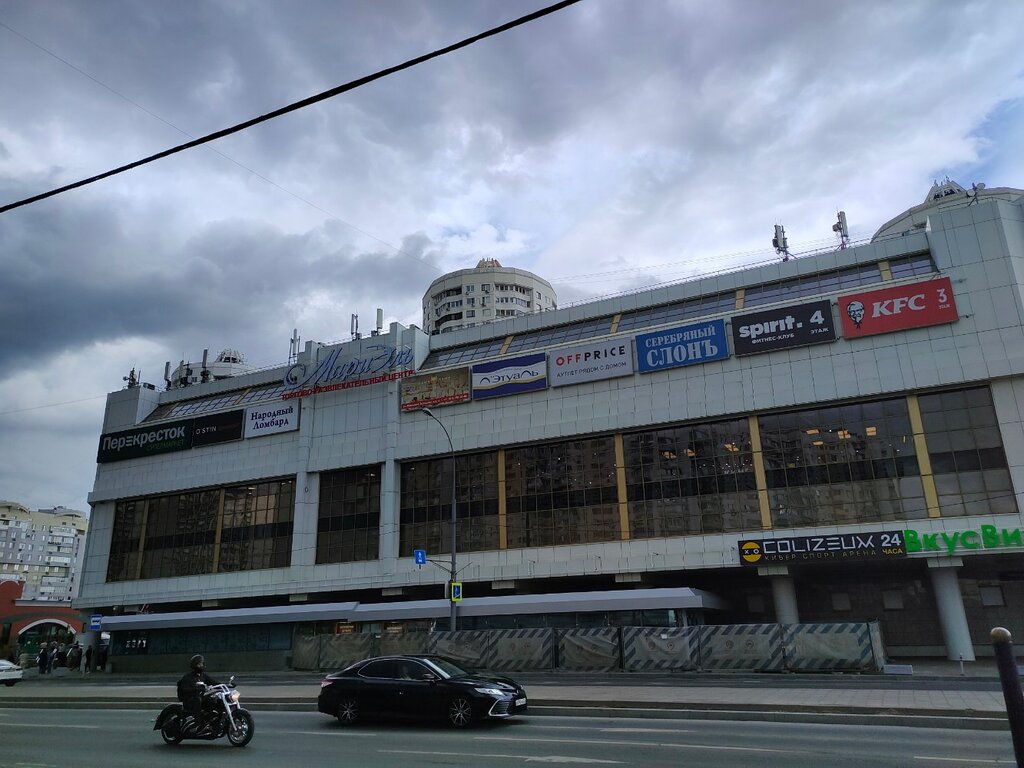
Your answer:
<point x="562" y="493"/>
<point x="257" y="526"/>
<point x="348" y="528"/>
<point x="966" y="451"/>
<point x="842" y="464"/>
<point x="426" y="504"/>
<point x="214" y="530"/>
<point x="691" y="480"/>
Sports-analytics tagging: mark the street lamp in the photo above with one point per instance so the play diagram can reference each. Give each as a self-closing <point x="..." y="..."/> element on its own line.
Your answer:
<point x="451" y="580"/>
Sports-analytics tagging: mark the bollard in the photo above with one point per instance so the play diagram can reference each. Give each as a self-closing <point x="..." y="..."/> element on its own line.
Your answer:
<point x="1010" y="680"/>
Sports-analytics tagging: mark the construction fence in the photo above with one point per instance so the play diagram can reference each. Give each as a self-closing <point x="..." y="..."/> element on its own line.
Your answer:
<point x="853" y="647"/>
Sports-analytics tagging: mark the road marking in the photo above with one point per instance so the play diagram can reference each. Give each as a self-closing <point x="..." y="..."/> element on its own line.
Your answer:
<point x="643" y="730"/>
<point x="61" y="726"/>
<point x="544" y="759"/>
<point x="965" y="760"/>
<point x="332" y="733"/>
<point x="651" y="744"/>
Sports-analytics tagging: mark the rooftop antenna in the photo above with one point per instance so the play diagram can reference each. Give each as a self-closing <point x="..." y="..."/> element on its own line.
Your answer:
<point x="167" y="373"/>
<point x="132" y="379"/>
<point x="975" y="188"/>
<point x="842" y="230"/>
<point x="779" y="242"/>
<point x="380" y="322"/>
<point x="355" y="327"/>
<point x="293" y="348"/>
<point x="204" y="375"/>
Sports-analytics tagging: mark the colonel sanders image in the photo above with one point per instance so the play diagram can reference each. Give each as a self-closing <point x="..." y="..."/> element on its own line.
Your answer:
<point x="856" y="312"/>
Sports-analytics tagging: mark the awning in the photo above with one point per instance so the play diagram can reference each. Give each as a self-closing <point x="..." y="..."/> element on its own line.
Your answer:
<point x="504" y="605"/>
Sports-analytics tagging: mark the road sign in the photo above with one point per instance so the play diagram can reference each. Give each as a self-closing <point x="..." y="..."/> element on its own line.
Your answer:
<point x="95" y="622"/>
<point x="456" y="591"/>
<point x="420" y="556"/>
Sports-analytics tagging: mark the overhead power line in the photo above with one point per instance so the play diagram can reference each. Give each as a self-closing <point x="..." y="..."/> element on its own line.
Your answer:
<point x="351" y="85"/>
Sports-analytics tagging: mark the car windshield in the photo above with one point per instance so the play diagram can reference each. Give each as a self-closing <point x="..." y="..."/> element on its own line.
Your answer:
<point x="449" y="667"/>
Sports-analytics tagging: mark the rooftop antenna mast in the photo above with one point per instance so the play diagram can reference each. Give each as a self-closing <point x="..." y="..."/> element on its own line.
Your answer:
<point x="293" y="348"/>
<point x="842" y="230"/>
<point x="355" y="327"/>
<point x="779" y="242"/>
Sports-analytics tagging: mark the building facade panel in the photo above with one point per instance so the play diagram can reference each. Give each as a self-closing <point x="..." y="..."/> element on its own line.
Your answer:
<point x="648" y="479"/>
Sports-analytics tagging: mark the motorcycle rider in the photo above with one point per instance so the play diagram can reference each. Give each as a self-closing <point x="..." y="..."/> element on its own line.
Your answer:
<point x="190" y="689"/>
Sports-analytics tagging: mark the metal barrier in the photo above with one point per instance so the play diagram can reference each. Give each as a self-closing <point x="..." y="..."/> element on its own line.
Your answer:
<point x="734" y="647"/>
<point x="671" y="648"/>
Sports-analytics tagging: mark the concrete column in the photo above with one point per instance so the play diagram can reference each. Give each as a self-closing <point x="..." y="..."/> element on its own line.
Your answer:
<point x="783" y="593"/>
<point x="952" y="617"/>
<point x="307" y="499"/>
<point x="390" y="513"/>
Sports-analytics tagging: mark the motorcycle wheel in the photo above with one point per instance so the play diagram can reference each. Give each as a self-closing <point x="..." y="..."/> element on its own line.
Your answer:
<point x="243" y="730"/>
<point x="170" y="731"/>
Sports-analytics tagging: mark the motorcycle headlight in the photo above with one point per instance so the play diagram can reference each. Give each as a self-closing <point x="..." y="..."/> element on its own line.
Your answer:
<point x="490" y="691"/>
<point x="234" y="696"/>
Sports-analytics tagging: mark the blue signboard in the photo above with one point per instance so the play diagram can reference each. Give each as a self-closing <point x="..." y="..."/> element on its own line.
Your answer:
<point x="686" y="345"/>
<point x="512" y="376"/>
<point x="420" y="556"/>
<point x="95" y="622"/>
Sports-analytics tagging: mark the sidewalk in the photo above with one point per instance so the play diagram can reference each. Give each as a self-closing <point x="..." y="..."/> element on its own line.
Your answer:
<point x="952" y="701"/>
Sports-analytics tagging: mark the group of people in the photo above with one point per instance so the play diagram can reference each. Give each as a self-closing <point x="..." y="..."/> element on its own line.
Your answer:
<point x="74" y="656"/>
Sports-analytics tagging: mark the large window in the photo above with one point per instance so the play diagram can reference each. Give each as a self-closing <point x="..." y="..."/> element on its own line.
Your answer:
<point x="563" y="493"/>
<point x="842" y="464"/>
<point x="257" y="526"/>
<point x="179" y="532"/>
<point x="124" y="543"/>
<point x="691" y="480"/>
<point x="349" y="515"/>
<point x="427" y="507"/>
<point x="966" y="450"/>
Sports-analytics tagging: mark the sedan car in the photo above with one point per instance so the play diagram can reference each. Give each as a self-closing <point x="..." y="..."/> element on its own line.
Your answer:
<point x="9" y="673"/>
<point x="418" y="687"/>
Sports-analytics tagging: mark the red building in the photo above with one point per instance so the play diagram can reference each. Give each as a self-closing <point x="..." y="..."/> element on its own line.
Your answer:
<point x="25" y="623"/>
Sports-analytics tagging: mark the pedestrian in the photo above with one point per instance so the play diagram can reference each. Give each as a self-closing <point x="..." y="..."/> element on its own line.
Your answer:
<point x="88" y="659"/>
<point x="74" y="656"/>
<point x="43" y="659"/>
<point x="103" y="658"/>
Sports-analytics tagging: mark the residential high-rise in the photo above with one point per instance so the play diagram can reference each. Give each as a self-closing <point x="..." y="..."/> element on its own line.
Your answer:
<point x="44" y="548"/>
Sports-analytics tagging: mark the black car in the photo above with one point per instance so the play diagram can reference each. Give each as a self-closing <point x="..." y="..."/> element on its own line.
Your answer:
<point x="418" y="686"/>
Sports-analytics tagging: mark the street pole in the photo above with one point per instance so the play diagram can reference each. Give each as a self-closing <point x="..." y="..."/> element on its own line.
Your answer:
<point x="1009" y="678"/>
<point x="451" y="580"/>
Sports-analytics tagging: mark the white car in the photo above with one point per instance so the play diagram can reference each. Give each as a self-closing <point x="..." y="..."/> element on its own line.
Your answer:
<point x="9" y="673"/>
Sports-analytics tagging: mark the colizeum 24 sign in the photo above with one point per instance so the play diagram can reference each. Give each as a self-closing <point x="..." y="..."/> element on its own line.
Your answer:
<point x="685" y="345"/>
<point x="873" y="545"/>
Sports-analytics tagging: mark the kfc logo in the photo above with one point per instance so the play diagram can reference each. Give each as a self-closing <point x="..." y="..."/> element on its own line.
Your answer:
<point x="897" y="309"/>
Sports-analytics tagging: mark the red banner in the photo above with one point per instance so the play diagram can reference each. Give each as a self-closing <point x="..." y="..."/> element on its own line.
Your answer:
<point x="915" y="305"/>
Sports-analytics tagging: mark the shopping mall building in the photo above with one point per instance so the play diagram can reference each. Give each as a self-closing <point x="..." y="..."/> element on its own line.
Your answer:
<point x="834" y="437"/>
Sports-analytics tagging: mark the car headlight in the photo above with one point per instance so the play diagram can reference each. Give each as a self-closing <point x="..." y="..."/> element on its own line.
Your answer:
<point x="490" y="691"/>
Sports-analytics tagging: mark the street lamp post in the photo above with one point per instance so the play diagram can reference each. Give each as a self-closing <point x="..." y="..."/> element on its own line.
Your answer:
<point x="451" y="580"/>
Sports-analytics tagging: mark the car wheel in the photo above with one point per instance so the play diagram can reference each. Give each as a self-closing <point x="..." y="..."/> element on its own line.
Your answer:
<point x="10" y="683"/>
<point x="170" y="731"/>
<point x="243" y="730"/>
<point x="348" y="711"/>
<point x="460" y="712"/>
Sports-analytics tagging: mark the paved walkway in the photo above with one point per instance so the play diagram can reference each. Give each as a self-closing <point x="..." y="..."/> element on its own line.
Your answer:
<point x="951" y="698"/>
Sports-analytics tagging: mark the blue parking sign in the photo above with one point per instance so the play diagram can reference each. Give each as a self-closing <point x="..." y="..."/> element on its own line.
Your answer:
<point x="420" y="556"/>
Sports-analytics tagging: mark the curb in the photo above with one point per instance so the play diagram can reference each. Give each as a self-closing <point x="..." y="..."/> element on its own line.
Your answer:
<point x="912" y="718"/>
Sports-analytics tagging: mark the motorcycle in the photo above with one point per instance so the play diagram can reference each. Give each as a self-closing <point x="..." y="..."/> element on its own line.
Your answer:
<point x="221" y="715"/>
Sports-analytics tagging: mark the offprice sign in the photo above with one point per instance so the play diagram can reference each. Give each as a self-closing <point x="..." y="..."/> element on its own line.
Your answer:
<point x="782" y="328"/>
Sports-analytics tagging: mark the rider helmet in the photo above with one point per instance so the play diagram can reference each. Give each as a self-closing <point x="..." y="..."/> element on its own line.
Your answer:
<point x="197" y="663"/>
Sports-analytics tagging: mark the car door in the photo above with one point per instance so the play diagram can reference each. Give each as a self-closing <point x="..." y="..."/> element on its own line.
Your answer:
<point x="417" y="692"/>
<point x="377" y="687"/>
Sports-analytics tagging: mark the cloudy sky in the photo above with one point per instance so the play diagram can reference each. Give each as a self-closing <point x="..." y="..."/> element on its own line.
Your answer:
<point x="615" y="144"/>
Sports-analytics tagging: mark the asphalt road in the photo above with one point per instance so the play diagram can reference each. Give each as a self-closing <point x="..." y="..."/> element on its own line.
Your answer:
<point x="56" y="738"/>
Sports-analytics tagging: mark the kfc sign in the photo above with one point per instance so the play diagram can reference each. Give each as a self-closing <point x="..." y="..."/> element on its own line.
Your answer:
<point x="897" y="309"/>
